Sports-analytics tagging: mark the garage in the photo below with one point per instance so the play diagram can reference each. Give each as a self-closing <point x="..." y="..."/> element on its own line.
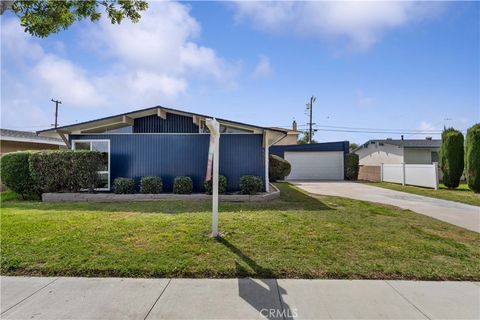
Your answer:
<point x="316" y="161"/>
<point x="315" y="165"/>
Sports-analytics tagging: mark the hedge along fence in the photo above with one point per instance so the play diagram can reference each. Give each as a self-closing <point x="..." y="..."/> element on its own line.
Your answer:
<point x="65" y="170"/>
<point x="472" y="158"/>
<point x="352" y="167"/>
<point x="451" y="157"/>
<point x="15" y="174"/>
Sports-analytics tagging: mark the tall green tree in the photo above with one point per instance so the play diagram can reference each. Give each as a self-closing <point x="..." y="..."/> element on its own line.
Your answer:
<point x="41" y="18"/>
<point x="304" y="139"/>
<point x="472" y="158"/>
<point x="452" y="157"/>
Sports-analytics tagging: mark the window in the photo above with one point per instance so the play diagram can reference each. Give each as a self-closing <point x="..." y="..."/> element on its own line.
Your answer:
<point x="102" y="146"/>
<point x="434" y="156"/>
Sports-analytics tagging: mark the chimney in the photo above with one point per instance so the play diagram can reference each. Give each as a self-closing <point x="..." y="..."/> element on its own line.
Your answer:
<point x="294" y="125"/>
<point x="402" y="136"/>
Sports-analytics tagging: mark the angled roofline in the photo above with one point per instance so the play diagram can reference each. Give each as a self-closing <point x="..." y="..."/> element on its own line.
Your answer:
<point x="65" y="128"/>
<point x="393" y="144"/>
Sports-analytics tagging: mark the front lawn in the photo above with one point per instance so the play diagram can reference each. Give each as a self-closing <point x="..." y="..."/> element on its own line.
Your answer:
<point x="461" y="194"/>
<point x="296" y="236"/>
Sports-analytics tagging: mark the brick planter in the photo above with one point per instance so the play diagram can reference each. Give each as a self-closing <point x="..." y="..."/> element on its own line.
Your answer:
<point x="111" y="197"/>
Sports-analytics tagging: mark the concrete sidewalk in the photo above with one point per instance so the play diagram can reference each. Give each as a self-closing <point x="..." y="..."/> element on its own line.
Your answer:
<point x="115" y="298"/>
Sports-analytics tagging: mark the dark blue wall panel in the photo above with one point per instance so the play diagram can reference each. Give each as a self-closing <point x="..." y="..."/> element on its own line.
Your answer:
<point x="171" y="155"/>
<point x="174" y="123"/>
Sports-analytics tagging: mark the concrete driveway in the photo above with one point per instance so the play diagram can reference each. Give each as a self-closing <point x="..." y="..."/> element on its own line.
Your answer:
<point x="462" y="215"/>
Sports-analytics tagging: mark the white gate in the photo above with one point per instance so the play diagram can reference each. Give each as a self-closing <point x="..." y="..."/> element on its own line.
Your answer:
<point x="422" y="175"/>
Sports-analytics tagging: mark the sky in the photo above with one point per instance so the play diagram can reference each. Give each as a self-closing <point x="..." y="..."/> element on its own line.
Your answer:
<point x="409" y="67"/>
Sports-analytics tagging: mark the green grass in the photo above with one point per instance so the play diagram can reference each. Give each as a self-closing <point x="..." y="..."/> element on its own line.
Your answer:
<point x="297" y="236"/>
<point x="461" y="194"/>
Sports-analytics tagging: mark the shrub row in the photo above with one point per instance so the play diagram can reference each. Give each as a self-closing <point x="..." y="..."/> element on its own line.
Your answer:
<point x="472" y="158"/>
<point x="30" y="173"/>
<point x="184" y="185"/>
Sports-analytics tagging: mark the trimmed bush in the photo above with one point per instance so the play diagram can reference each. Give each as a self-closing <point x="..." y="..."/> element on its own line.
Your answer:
<point x="351" y="163"/>
<point x="278" y="168"/>
<point x="151" y="185"/>
<point x="123" y="186"/>
<point x="451" y="157"/>
<point x="15" y="174"/>
<point x="250" y="184"/>
<point x="65" y="170"/>
<point x="182" y="185"/>
<point x="222" y="185"/>
<point x="472" y="158"/>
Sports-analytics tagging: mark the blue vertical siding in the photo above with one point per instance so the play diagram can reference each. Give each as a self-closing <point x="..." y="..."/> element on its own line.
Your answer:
<point x="174" y="123"/>
<point x="171" y="155"/>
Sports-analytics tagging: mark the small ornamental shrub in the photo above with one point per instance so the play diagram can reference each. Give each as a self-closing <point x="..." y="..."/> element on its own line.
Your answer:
<point x="250" y="184"/>
<point x="472" y="158"/>
<point x="65" y="170"/>
<point x="351" y="162"/>
<point x="151" y="185"/>
<point x="15" y="174"/>
<point x="222" y="185"/>
<point x="182" y="185"/>
<point x="123" y="186"/>
<point x="278" y="168"/>
<point x="451" y="157"/>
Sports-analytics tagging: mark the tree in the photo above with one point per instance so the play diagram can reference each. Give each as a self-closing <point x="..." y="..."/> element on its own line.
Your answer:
<point x="41" y="18"/>
<point x="472" y="158"/>
<point x="451" y="157"/>
<point x="304" y="139"/>
<point x="353" y="146"/>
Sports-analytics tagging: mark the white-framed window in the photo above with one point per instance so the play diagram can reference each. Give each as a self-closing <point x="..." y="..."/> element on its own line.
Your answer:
<point x="102" y="146"/>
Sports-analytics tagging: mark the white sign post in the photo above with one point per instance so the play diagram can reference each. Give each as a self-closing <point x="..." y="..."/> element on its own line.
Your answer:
<point x="213" y="157"/>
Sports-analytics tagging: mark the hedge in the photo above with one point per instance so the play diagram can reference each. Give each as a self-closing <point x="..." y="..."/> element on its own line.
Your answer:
<point x="15" y="174"/>
<point x="151" y="185"/>
<point x="351" y="163"/>
<point x="250" y="184"/>
<point x="222" y="185"/>
<point x="123" y="186"/>
<point x="182" y="185"/>
<point x="65" y="170"/>
<point x="278" y="168"/>
<point x="451" y="157"/>
<point x="472" y="158"/>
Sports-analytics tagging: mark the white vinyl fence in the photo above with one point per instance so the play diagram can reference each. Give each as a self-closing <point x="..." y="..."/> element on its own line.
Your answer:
<point x="422" y="175"/>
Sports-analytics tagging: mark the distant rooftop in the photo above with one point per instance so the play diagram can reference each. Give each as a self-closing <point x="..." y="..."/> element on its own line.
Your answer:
<point x="408" y="143"/>
<point x="27" y="136"/>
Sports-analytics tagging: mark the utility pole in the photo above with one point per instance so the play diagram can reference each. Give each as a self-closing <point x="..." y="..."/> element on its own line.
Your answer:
<point x="310" y="124"/>
<point x="56" y="111"/>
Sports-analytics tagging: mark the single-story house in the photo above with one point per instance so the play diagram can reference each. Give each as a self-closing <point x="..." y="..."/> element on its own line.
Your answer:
<point x="316" y="161"/>
<point x="395" y="151"/>
<point x="409" y="151"/>
<point x="166" y="142"/>
<point x="14" y="140"/>
<point x="291" y="135"/>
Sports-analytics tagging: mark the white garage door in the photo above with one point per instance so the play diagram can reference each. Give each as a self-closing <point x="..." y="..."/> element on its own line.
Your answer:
<point x="315" y="165"/>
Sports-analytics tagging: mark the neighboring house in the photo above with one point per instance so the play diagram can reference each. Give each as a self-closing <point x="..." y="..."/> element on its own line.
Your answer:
<point x="13" y="140"/>
<point x="167" y="142"/>
<point x="389" y="151"/>
<point x="316" y="161"/>
<point x="411" y="151"/>
<point x="291" y="135"/>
